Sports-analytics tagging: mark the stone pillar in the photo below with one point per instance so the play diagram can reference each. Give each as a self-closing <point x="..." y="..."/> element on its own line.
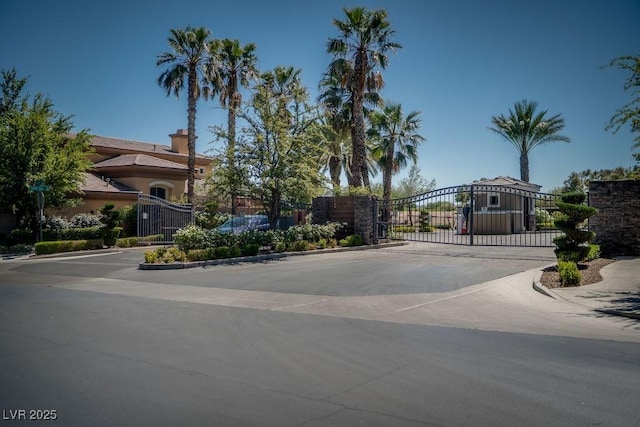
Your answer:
<point x="363" y="218"/>
<point x="617" y="223"/>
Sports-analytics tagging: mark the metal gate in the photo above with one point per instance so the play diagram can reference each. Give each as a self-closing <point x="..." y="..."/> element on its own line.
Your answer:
<point x="489" y="215"/>
<point x="158" y="220"/>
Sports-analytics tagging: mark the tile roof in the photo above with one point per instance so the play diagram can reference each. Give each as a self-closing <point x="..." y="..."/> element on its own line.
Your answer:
<point x="94" y="183"/>
<point x="145" y="147"/>
<point x="138" y="160"/>
<point x="506" y="181"/>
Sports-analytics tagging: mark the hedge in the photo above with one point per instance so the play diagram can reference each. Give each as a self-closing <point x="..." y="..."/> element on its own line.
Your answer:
<point x="42" y="248"/>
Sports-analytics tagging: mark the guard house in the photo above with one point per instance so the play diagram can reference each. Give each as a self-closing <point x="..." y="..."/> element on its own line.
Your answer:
<point x="504" y="205"/>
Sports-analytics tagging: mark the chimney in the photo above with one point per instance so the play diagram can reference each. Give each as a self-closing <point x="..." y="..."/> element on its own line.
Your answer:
<point x="179" y="142"/>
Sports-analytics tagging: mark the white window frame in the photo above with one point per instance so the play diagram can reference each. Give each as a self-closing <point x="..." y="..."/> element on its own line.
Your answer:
<point x="490" y="196"/>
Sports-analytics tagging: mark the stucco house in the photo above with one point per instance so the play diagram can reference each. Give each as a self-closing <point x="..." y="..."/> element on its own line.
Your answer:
<point x="123" y="168"/>
<point x="504" y="205"/>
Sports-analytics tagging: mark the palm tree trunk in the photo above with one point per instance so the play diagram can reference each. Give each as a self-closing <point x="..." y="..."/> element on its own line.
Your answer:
<point x="231" y="148"/>
<point x="386" y="179"/>
<point x="191" y="133"/>
<point x="358" y="164"/>
<point x="524" y="167"/>
<point x="335" y="168"/>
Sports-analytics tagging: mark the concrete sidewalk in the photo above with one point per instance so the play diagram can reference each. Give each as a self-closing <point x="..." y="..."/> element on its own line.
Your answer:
<point x="617" y="294"/>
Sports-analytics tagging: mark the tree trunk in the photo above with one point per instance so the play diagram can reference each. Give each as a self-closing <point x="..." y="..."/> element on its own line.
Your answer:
<point x="360" y="176"/>
<point x="386" y="179"/>
<point x="231" y="149"/>
<point x="191" y="133"/>
<point x="524" y="167"/>
<point x="335" y="168"/>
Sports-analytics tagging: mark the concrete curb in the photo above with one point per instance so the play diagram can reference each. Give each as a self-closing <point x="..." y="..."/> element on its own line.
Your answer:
<point x="265" y="257"/>
<point x="550" y="293"/>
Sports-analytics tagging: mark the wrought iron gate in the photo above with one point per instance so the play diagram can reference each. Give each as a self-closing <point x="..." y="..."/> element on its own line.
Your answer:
<point x="157" y="217"/>
<point x="487" y="215"/>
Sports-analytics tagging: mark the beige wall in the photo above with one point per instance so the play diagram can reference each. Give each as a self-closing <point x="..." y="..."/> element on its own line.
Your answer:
<point x="95" y="204"/>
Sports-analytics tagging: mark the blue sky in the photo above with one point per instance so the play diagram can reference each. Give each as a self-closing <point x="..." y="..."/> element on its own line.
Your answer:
<point x="462" y="62"/>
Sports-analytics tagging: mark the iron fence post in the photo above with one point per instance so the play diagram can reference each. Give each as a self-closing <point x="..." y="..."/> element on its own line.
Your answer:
<point x="471" y="209"/>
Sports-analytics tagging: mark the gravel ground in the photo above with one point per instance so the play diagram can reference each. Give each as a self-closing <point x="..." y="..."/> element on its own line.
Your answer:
<point x="589" y="272"/>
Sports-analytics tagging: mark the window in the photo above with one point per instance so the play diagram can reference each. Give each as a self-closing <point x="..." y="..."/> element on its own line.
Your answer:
<point x="159" y="192"/>
<point x="493" y="200"/>
<point x="201" y="170"/>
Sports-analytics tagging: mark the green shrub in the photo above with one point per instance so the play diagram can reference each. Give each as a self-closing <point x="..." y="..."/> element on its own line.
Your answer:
<point x="20" y="248"/>
<point x="298" y="246"/>
<point x="427" y="228"/>
<point x="250" y="249"/>
<point x="280" y="247"/>
<point x="594" y="252"/>
<point x="235" y="252"/>
<point x="42" y="248"/>
<point x="110" y="235"/>
<point x="127" y="242"/>
<point x="172" y="254"/>
<point x="191" y="237"/>
<point x="201" y="254"/>
<point x="322" y="244"/>
<point x="569" y="273"/>
<point x="403" y="229"/>
<point x="222" y="252"/>
<point x="353" y="240"/>
<point x="21" y="235"/>
<point x="151" y="256"/>
<point x="85" y="220"/>
<point x="129" y="220"/>
<point x="150" y="239"/>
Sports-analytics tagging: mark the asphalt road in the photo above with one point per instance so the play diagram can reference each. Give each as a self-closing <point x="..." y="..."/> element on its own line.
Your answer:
<point x="429" y="336"/>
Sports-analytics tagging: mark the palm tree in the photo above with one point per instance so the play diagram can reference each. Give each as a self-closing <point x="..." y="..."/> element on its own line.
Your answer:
<point x="396" y="142"/>
<point x="337" y="155"/>
<point x="237" y="66"/>
<point x="526" y="129"/>
<point x="362" y="46"/>
<point x="188" y="59"/>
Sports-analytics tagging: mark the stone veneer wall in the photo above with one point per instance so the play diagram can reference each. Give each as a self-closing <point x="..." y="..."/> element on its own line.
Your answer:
<point x="356" y="211"/>
<point x="617" y="223"/>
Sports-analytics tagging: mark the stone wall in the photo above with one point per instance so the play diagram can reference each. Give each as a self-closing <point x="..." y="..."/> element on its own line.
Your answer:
<point x="357" y="211"/>
<point x="617" y="223"/>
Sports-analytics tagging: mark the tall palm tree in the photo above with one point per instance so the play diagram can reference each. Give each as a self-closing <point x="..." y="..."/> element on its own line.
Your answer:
<point x="526" y="129"/>
<point x="396" y="143"/>
<point x="365" y="40"/>
<point x="236" y="67"/>
<point x="334" y="137"/>
<point x="188" y="59"/>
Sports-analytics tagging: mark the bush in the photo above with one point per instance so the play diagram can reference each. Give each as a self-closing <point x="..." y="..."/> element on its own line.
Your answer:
<point x="298" y="246"/>
<point x="165" y="255"/>
<point x="21" y="235"/>
<point x="191" y="237"/>
<point x="403" y="229"/>
<point x="201" y="254"/>
<point x="84" y="220"/>
<point x="280" y="247"/>
<point x="430" y="228"/>
<point x="221" y="252"/>
<point x="129" y="220"/>
<point x="353" y="240"/>
<point x="594" y="252"/>
<point x="569" y="273"/>
<point x="90" y="233"/>
<point x="110" y="235"/>
<point x="250" y="249"/>
<point x="234" y="252"/>
<point x="42" y="248"/>
<point x="127" y="242"/>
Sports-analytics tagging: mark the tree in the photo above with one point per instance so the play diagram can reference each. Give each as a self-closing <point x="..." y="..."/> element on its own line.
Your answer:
<point x="237" y="66"/>
<point x="336" y="155"/>
<point x="526" y="129"/>
<point x="188" y="60"/>
<point x="37" y="145"/>
<point x="579" y="181"/>
<point x="396" y="142"/>
<point x="279" y="152"/>
<point x="630" y="113"/>
<point x="362" y="47"/>
<point x="414" y="184"/>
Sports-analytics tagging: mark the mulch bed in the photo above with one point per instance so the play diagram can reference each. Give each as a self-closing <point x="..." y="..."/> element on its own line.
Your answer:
<point x="589" y="272"/>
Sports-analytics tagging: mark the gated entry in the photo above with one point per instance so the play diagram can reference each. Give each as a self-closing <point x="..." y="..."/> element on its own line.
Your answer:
<point x="157" y="217"/>
<point x="489" y="215"/>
